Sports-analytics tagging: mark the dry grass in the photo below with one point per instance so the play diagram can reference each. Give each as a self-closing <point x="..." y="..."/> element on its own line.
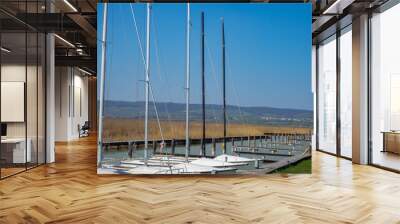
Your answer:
<point x="117" y="129"/>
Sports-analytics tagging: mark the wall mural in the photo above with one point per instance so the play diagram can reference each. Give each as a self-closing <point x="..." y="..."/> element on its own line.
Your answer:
<point x="204" y="88"/>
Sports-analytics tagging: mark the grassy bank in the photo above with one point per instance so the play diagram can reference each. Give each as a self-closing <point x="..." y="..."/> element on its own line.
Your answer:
<point x="303" y="166"/>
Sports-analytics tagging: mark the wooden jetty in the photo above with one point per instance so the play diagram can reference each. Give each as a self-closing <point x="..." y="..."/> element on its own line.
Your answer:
<point x="274" y="138"/>
<point x="271" y="167"/>
<point x="259" y="151"/>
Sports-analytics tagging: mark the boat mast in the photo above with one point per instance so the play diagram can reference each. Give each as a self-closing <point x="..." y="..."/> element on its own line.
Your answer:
<point x="102" y="76"/>
<point x="147" y="80"/>
<point x="187" y="80"/>
<point x="203" y="146"/>
<point x="223" y="81"/>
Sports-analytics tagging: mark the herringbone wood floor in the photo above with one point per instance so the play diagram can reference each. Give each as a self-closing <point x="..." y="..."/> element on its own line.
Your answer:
<point x="70" y="191"/>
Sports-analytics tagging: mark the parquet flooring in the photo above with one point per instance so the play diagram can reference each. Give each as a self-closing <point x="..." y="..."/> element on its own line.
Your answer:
<point x="70" y="191"/>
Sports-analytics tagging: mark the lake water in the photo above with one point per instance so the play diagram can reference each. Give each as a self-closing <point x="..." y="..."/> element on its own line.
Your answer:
<point x="114" y="156"/>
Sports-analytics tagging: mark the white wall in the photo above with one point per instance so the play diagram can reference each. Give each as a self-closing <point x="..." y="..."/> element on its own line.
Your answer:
<point x="33" y="126"/>
<point x="62" y="81"/>
<point x="17" y="73"/>
<point x="71" y="87"/>
<point x="10" y="73"/>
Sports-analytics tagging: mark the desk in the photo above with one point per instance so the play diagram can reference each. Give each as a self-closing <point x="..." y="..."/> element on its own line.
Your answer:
<point x="391" y="141"/>
<point x="13" y="150"/>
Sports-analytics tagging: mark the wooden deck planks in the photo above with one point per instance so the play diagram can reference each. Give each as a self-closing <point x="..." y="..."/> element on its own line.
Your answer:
<point x="70" y="191"/>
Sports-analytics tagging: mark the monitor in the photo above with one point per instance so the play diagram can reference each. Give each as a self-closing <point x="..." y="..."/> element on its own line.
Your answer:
<point x="3" y="129"/>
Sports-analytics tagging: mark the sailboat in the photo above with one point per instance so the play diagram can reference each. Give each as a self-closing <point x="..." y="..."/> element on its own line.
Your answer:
<point x="165" y="164"/>
<point x="233" y="159"/>
<point x="147" y="166"/>
<point x="188" y="167"/>
<point x="223" y="160"/>
<point x="174" y="164"/>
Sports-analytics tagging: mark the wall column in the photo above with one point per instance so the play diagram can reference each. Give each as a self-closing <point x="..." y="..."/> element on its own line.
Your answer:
<point x="360" y="90"/>
<point x="50" y="98"/>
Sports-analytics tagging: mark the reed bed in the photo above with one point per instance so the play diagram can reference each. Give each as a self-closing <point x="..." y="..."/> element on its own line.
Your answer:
<point x="118" y="129"/>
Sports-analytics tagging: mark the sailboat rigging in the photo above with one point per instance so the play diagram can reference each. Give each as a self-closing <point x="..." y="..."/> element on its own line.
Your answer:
<point x="102" y="77"/>
<point x="203" y="146"/>
<point x="187" y="143"/>
<point x="223" y="81"/>
<point x="147" y="80"/>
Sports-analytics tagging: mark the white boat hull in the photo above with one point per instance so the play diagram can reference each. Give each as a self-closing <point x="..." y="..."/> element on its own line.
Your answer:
<point x="233" y="159"/>
<point x="215" y="163"/>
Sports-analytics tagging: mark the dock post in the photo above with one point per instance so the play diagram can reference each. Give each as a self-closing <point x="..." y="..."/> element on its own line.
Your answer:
<point x="201" y="150"/>
<point x="265" y="140"/>
<point x="213" y="148"/>
<point x="241" y="141"/>
<point x="256" y="163"/>
<point x="130" y="151"/>
<point x="189" y="147"/>
<point x="248" y="141"/>
<point x="173" y="146"/>
<point x="154" y="146"/>
<point x="262" y="140"/>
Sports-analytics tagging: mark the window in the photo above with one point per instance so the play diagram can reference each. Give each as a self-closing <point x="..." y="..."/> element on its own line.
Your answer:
<point x="327" y="95"/>
<point x="385" y="89"/>
<point x="346" y="92"/>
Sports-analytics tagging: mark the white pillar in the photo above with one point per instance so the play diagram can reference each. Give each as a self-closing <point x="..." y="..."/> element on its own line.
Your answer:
<point x="50" y="99"/>
<point x="50" y="92"/>
<point x="360" y="90"/>
<point x="314" y="93"/>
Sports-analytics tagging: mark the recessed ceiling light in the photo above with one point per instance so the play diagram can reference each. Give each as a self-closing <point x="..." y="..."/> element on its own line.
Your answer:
<point x="84" y="71"/>
<point x="5" y="50"/>
<point x="64" y="40"/>
<point x="70" y="5"/>
<point x="337" y="7"/>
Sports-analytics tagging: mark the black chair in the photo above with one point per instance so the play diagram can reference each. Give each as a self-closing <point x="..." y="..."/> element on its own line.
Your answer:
<point x="84" y="130"/>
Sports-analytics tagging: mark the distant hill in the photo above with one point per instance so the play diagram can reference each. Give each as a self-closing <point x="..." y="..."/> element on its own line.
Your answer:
<point x="214" y="113"/>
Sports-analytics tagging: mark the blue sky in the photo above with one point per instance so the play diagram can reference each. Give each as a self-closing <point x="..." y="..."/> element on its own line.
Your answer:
<point x="268" y="53"/>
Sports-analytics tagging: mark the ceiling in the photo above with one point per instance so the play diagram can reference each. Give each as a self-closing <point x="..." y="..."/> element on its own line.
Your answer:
<point x="330" y="15"/>
<point x="73" y="21"/>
